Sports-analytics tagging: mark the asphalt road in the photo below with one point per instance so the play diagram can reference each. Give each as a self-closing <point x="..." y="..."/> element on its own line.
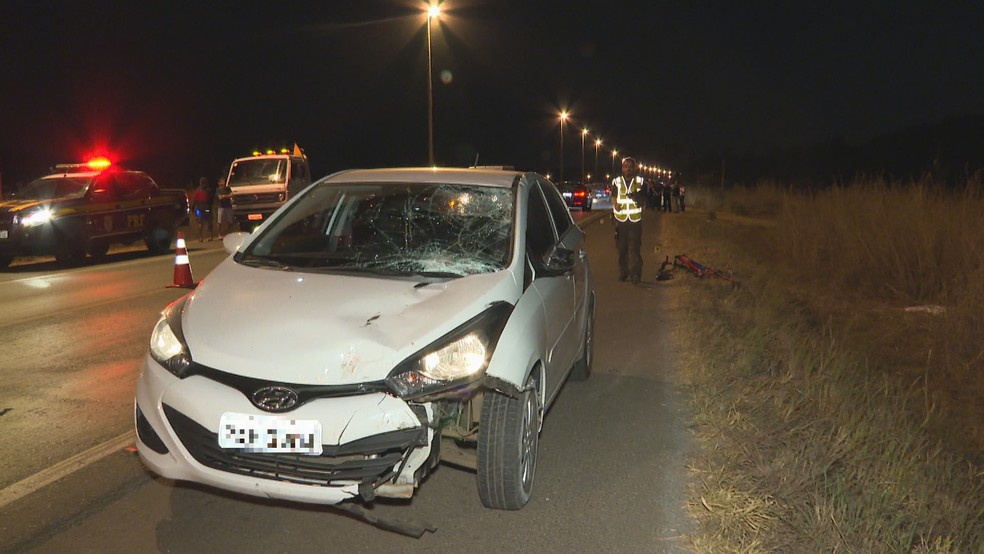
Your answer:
<point x="610" y="478"/>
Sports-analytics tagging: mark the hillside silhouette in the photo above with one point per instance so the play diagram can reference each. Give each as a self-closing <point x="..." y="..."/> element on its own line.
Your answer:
<point x="950" y="151"/>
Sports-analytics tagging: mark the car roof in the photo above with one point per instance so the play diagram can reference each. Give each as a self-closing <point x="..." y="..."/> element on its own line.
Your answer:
<point x="268" y="157"/>
<point x="84" y="174"/>
<point x="87" y="174"/>
<point x="487" y="177"/>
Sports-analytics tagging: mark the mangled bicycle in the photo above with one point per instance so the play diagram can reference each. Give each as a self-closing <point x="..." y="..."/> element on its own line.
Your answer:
<point x="692" y="267"/>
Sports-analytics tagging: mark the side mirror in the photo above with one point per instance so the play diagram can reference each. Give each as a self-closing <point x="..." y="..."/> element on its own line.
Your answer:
<point x="102" y="195"/>
<point x="559" y="261"/>
<point x="234" y="241"/>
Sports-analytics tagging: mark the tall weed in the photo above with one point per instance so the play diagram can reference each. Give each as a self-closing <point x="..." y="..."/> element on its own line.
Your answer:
<point x="812" y="439"/>
<point x="917" y="243"/>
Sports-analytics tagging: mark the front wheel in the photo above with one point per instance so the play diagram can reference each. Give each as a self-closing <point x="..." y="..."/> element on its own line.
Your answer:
<point x="508" y="437"/>
<point x="159" y="240"/>
<point x="70" y="251"/>
<point x="98" y="250"/>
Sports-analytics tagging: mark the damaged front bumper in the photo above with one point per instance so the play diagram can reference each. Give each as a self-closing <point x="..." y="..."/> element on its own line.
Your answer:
<point x="372" y="444"/>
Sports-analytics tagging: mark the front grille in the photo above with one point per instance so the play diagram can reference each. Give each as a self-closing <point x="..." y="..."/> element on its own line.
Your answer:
<point x="369" y="460"/>
<point x="260" y="198"/>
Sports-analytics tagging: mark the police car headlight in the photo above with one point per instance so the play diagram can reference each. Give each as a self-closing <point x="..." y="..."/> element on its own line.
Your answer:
<point x="167" y="344"/>
<point x="454" y="362"/>
<point x="37" y="217"/>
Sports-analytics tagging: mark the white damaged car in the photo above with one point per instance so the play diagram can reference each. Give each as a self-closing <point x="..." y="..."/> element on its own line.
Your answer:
<point x="379" y="323"/>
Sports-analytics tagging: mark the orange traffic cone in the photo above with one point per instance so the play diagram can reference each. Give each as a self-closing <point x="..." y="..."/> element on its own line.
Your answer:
<point x="182" y="266"/>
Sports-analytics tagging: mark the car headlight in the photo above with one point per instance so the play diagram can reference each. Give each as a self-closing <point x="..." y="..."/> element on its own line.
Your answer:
<point x="37" y="217"/>
<point x="453" y="362"/>
<point x="167" y="344"/>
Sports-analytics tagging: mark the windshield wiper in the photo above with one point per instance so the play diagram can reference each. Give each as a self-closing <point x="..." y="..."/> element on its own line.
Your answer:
<point x="395" y="272"/>
<point x="436" y="274"/>
<point x="257" y="261"/>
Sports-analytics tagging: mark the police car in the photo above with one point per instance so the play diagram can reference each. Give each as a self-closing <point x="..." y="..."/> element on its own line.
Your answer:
<point x="82" y="209"/>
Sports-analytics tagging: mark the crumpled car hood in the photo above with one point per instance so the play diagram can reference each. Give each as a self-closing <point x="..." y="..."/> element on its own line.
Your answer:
<point x="310" y="328"/>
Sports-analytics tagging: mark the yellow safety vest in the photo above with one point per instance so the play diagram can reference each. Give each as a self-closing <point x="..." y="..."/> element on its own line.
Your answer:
<point x="625" y="208"/>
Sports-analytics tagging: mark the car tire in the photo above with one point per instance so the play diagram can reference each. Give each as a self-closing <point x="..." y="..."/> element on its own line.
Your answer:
<point x="582" y="368"/>
<point x="5" y="261"/>
<point x="508" y="437"/>
<point x="98" y="250"/>
<point x="70" y="252"/>
<point x="159" y="240"/>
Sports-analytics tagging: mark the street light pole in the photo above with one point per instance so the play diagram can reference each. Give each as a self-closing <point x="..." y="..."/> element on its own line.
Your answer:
<point x="432" y="13"/>
<point x="584" y="133"/>
<point x="563" y="118"/>
<point x="597" y="145"/>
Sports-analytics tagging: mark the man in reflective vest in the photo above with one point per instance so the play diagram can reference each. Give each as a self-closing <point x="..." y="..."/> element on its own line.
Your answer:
<point x="628" y="196"/>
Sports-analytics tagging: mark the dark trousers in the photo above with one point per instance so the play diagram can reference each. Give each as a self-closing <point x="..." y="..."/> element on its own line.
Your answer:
<point x="629" y="244"/>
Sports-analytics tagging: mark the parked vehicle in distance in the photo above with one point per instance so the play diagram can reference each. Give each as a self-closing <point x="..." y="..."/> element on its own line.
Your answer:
<point x="368" y="350"/>
<point x="84" y="208"/>
<point x="576" y="195"/>
<point x="263" y="182"/>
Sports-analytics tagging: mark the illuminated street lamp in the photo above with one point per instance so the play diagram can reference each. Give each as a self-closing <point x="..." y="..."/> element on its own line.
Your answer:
<point x="563" y="118"/>
<point x="614" y="153"/>
<point x="433" y="12"/>
<point x="597" y="145"/>
<point x="584" y="133"/>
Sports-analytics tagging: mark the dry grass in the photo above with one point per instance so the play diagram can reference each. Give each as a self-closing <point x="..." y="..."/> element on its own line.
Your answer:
<point x="825" y="411"/>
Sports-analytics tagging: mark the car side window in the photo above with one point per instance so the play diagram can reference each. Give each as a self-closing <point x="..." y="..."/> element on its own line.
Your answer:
<point x="297" y="172"/>
<point x="104" y="189"/>
<point x="561" y="215"/>
<point x="129" y="186"/>
<point x="539" y="232"/>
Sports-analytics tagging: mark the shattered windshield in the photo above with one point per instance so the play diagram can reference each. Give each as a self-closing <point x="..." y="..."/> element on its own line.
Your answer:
<point x="57" y="187"/>
<point x="260" y="171"/>
<point x="432" y="229"/>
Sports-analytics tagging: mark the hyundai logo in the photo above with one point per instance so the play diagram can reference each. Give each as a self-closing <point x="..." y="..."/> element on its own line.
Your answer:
<point x="275" y="399"/>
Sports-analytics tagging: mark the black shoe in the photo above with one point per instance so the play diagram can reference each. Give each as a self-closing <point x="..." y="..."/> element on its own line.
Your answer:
<point x="635" y="280"/>
<point x="622" y="277"/>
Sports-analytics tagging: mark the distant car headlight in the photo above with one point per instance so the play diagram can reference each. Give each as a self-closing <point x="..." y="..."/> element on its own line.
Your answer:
<point x="37" y="217"/>
<point x="453" y="362"/>
<point x="167" y="344"/>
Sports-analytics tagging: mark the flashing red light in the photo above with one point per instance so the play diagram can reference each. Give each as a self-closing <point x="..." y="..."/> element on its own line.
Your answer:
<point x="580" y="193"/>
<point x="99" y="163"/>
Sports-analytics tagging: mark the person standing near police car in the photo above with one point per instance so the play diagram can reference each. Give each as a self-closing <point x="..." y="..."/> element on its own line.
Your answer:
<point x="227" y="220"/>
<point x="201" y="200"/>
<point x="628" y="196"/>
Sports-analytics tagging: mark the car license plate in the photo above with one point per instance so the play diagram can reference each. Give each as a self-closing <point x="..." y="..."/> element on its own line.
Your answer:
<point x="258" y="433"/>
<point x="254" y="217"/>
<point x="3" y="233"/>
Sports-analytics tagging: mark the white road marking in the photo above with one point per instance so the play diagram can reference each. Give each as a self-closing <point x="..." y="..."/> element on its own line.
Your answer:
<point x="65" y="468"/>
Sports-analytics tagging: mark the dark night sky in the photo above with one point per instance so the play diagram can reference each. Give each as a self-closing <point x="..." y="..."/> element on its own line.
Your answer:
<point x="180" y="89"/>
